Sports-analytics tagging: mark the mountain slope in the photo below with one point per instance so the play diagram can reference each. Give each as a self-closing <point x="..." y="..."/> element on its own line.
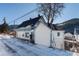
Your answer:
<point x="69" y="25"/>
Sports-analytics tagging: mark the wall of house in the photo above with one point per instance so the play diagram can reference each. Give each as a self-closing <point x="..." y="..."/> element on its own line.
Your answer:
<point x="42" y="37"/>
<point x="77" y="38"/>
<point x="23" y="34"/>
<point x="58" y="38"/>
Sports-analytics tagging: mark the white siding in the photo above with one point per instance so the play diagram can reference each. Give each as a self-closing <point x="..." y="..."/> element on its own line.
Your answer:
<point x="42" y="35"/>
<point x="77" y="37"/>
<point x="21" y="34"/>
<point x="59" y="40"/>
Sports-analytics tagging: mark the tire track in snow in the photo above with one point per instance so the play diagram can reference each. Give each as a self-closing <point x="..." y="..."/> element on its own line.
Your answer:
<point x="30" y="48"/>
<point x="19" y="49"/>
<point x="50" y="51"/>
<point x="4" y="51"/>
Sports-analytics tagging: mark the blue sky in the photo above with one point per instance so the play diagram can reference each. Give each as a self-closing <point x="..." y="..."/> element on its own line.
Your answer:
<point x="13" y="11"/>
<point x="70" y="11"/>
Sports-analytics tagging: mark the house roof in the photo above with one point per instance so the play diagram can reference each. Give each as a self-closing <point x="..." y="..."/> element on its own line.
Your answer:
<point x="22" y="29"/>
<point x="53" y="26"/>
<point x="31" y="22"/>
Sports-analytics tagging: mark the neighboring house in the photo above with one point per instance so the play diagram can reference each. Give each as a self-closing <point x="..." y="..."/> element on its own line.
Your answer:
<point x="69" y="36"/>
<point x="37" y="31"/>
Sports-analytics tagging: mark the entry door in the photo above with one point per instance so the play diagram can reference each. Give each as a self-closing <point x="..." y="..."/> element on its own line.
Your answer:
<point x="32" y="38"/>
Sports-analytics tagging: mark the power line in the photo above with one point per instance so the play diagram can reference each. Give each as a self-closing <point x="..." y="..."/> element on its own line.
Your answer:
<point x="23" y="15"/>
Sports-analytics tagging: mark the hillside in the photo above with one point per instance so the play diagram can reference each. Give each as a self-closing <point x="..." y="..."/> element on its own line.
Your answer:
<point x="69" y="25"/>
<point x="12" y="27"/>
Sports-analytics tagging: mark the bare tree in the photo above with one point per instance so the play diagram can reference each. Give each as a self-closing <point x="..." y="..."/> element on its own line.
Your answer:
<point x="51" y="11"/>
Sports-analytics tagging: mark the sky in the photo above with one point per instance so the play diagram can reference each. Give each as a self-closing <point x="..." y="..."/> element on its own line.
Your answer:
<point x="15" y="10"/>
<point x="70" y="11"/>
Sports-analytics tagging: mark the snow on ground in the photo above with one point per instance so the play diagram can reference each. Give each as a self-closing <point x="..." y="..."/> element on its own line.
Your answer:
<point x="41" y="49"/>
<point x="4" y="51"/>
<point x="23" y="48"/>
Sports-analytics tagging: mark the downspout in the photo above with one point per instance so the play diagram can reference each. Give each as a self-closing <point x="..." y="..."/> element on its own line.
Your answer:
<point x="50" y="38"/>
<point x="50" y="28"/>
<point x="51" y="41"/>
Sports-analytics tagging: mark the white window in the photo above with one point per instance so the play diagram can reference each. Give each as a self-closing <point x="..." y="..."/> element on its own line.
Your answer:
<point x="22" y="35"/>
<point x="27" y="35"/>
<point x="58" y="34"/>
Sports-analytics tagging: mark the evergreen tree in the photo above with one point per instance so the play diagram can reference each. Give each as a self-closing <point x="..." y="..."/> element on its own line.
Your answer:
<point x="4" y="27"/>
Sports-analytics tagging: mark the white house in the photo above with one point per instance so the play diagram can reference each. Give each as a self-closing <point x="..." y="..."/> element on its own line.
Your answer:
<point x="23" y="33"/>
<point x="42" y="36"/>
<point x="38" y="31"/>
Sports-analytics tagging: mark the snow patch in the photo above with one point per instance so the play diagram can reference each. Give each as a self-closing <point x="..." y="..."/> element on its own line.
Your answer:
<point x="5" y="36"/>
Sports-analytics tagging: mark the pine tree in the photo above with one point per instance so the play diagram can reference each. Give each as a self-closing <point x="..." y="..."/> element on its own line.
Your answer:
<point x="4" y="27"/>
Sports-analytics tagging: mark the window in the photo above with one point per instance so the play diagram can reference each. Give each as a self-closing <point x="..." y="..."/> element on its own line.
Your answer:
<point x="58" y="34"/>
<point x="22" y="35"/>
<point x="27" y="35"/>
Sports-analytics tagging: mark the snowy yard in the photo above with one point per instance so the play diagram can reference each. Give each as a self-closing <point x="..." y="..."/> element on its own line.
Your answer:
<point x="13" y="47"/>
